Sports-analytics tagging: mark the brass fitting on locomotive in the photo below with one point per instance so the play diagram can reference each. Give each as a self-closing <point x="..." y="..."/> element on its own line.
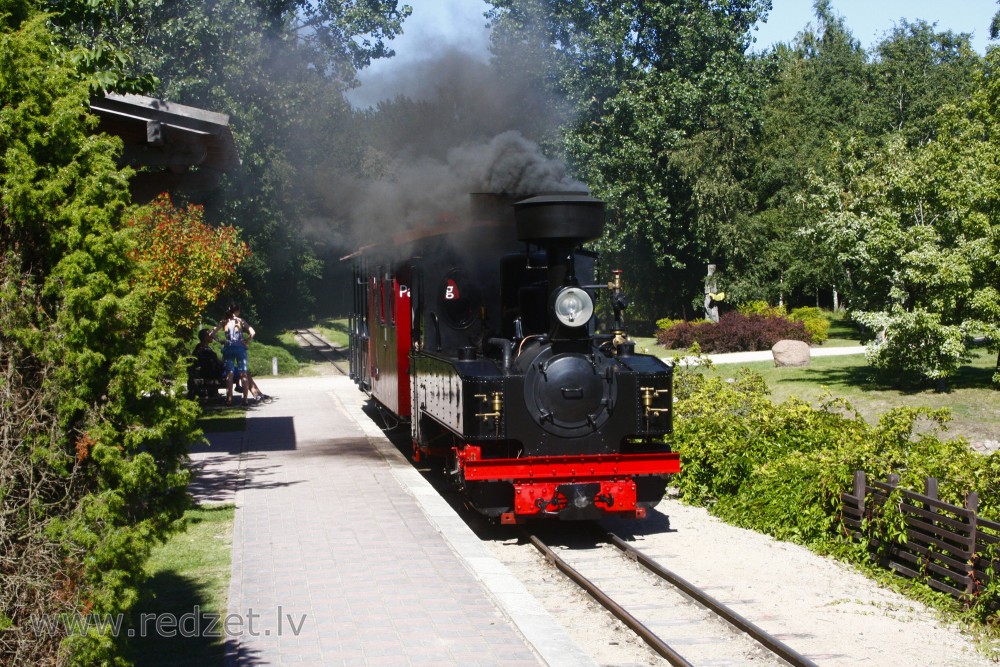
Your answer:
<point x="648" y="395"/>
<point x="618" y="303"/>
<point x="615" y="284"/>
<point x="493" y="400"/>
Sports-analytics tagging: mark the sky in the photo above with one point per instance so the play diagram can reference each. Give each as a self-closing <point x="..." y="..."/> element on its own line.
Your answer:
<point x="869" y="20"/>
<point x="437" y="25"/>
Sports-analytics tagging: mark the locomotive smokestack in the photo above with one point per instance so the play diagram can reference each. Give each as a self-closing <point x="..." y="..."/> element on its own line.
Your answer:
<point x="568" y="219"/>
<point x="559" y="223"/>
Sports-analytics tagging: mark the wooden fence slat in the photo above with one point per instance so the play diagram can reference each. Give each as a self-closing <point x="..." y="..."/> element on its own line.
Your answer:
<point x="960" y="566"/>
<point x="929" y="534"/>
<point x="851" y="523"/>
<point x="962" y="528"/>
<point x="937" y="504"/>
<point x="989" y="525"/>
<point x="933" y="583"/>
<point x="986" y="539"/>
<point x="943" y="540"/>
<point x="945" y="588"/>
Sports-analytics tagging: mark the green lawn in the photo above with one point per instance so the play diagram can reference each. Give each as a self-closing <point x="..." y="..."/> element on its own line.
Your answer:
<point x="187" y="588"/>
<point x="843" y="332"/>
<point x="334" y="330"/>
<point x="973" y="401"/>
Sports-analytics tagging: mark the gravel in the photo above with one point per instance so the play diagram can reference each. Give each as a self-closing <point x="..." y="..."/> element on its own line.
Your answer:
<point x="823" y="609"/>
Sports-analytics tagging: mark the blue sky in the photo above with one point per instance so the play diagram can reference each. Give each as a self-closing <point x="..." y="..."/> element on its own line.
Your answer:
<point x="440" y="24"/>
<point x="460" y="22"/>
<point x="869" y="20"/>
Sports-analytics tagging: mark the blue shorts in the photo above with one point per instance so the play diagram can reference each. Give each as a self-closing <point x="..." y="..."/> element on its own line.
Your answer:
<point x="235" y="358"/>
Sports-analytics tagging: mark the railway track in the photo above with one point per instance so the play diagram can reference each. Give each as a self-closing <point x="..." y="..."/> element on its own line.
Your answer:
<point x="325" y="350"/>
<point x="679" y="621"/>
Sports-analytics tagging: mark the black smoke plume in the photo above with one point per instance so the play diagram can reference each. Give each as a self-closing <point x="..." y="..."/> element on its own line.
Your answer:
<point x="462" y="127"/>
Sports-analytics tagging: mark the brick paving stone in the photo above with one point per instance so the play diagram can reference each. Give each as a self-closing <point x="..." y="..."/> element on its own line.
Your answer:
<point x="327" y="536"/>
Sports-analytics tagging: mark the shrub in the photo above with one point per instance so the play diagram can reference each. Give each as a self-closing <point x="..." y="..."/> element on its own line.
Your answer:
<point x="183" y="261"/>
<point x="914" y="343"/>
<point x="92" y="445"/>
<point x="681" y="335"/>
<point x="665" y="323"/>
<point x="815" y="323"/>
<point x="761" y="308"/>
<point x="734" y="332"/>
<point x="780" y="468"/>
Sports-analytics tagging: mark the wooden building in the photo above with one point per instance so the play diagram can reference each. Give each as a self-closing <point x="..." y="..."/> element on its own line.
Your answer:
<point x="174" y="148"/>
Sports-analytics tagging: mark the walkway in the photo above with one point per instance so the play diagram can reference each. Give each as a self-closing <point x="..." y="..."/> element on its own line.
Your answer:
<point x="765" y="355"/>
<point x="344" y="555"/>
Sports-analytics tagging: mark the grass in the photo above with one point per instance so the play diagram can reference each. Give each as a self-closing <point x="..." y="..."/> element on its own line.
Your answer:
<point x="334" y="330"/>
<point x="291" y="358"/>
<point x="971" y="398"/>
<point x="974" y="403"/>
<point x="223" y="419"/>
<point x="188" y="575"/>
<point x="843" y="332"/>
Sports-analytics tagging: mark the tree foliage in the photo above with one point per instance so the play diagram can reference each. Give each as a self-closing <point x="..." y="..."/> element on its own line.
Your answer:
<point x="183" y="262"/>
<point x="279" y="69"/>
<point x="916" y="228"/>
<point x="815" y="167"/>
<point x="655" y="88"/>
<point x="91" y="437"/>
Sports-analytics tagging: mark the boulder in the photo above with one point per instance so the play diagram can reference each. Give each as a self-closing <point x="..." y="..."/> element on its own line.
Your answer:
<point x="790" y="353"/>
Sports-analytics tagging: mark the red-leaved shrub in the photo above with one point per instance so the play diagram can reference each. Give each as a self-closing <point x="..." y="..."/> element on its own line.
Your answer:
<point x="735" y="332"/>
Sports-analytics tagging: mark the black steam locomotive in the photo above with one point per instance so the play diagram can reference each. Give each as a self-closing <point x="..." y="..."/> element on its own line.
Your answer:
<point x="481" y="332"/>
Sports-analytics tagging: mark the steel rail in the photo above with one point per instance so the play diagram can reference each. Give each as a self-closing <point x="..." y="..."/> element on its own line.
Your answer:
<point x="323" y="347"/>
<point x="628" y="619"/>
<point x="771" y="643"/>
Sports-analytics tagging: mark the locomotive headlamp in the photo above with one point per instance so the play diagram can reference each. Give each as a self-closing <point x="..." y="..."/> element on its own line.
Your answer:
<point x="573" y="307"/>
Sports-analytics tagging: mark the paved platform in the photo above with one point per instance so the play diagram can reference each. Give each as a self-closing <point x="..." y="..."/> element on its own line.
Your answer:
<point x="344" y="555"/>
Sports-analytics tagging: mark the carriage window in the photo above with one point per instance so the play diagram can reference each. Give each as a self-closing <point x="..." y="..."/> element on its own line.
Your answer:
<point x="459" y="299"/>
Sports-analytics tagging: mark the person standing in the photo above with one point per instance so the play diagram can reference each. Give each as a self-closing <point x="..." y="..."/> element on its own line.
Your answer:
<point x="234" y="351"/>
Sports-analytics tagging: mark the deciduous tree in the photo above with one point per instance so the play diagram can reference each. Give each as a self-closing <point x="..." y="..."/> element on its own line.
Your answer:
<point x="917" y="230"/>
<point x="654" y="85"/>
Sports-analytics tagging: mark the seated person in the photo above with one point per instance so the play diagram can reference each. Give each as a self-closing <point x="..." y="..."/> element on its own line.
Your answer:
<point x="206" y="371"/>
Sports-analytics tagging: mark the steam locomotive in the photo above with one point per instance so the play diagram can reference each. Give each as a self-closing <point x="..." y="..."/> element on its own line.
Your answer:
<point x="481" y="332"/>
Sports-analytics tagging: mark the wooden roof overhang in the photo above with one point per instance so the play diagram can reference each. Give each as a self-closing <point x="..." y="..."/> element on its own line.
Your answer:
<point x="174" y="148"/>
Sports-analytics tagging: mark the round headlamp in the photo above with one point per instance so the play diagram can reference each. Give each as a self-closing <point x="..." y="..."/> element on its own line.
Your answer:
<point x="573" y="307"/>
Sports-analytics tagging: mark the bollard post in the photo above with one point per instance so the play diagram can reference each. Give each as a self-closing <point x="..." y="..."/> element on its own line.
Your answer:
<point x="274" y="365"/>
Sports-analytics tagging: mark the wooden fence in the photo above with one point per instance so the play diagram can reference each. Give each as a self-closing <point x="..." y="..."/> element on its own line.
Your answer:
<point x="945" y="546"/>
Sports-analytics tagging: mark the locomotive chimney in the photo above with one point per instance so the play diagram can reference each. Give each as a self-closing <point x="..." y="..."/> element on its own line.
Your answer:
<point x="560" y="223"/>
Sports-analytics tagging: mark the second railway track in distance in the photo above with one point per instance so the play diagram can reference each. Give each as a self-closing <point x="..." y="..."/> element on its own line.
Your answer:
<point x="676" y="619"/>
<point x="312" y="340"/>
